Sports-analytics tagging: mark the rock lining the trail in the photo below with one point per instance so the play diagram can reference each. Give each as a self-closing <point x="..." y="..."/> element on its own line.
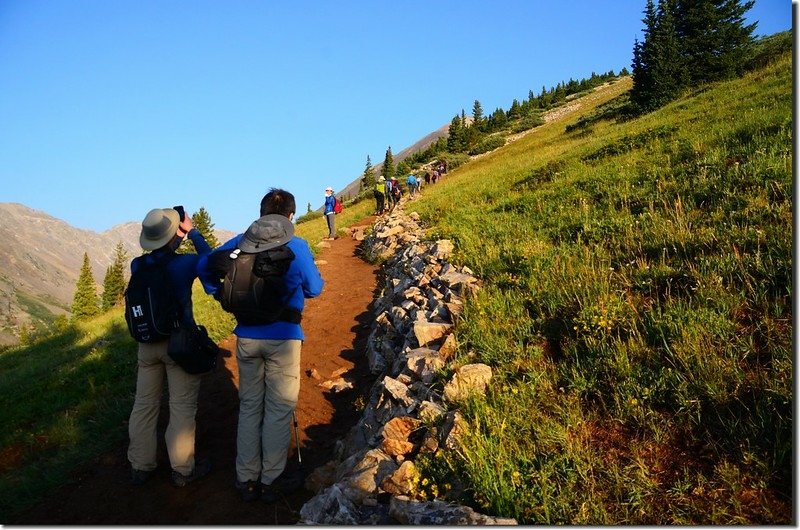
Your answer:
<point x="410" y="409"/>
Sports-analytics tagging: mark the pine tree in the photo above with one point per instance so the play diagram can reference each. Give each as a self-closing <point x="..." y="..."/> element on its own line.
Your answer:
<point x="454" y="133"/>
<point x="202" y="223"/>
<point x="85" y="303"/>
<point x="687" y="43"/>
<point x="388" y="164"/>
<point x="715" y="39"/>
<point x="669" y="67"/>
<point x="114" y="281"/>
<point x="659" y="66"/>
<point x="368" y="178"/>
<point x="477" y="115"/>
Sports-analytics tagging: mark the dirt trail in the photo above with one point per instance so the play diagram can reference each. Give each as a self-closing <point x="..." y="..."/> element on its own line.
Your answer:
<point x="336" y="326"/>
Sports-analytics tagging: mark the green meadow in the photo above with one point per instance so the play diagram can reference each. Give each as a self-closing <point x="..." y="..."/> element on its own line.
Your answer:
<point x="636" y="310"/>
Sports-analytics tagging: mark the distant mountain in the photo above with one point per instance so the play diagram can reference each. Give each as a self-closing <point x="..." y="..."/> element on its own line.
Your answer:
<point x="41" y="257"/>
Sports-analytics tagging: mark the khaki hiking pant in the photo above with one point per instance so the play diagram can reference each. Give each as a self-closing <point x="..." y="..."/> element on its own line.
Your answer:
<point x="153" y="364"/>
<point x="269" y="384"/>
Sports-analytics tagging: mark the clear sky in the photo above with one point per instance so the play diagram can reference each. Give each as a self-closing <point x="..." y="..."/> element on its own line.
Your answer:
<point x="111" y="108"/>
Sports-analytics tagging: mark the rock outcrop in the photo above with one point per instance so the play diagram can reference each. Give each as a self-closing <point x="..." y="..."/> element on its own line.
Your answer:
<point x="410" y="349"/>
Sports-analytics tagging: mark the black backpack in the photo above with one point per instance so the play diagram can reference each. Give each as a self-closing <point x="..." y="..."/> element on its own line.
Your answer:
<point x="253" y="286"/>
<point x="151" y="309"/>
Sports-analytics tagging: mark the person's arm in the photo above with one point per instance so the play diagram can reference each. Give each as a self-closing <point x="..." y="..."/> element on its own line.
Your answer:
<point x="209" y="275"/>
<point x="312" y="281"/>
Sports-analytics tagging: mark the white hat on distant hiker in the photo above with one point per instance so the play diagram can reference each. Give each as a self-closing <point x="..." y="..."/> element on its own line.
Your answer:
<point x="159" y="227"/>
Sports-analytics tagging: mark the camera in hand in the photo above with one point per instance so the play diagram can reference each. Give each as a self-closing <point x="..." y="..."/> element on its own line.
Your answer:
<point x="180" y="211"/>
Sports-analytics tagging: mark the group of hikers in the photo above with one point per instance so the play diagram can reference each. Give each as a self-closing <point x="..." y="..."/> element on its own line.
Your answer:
<point x="281" y="272"/>
<point x="262" y="276"/>
<point x="389" y="191"/>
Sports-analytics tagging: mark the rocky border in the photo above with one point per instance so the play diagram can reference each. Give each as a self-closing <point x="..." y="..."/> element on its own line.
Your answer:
<point x="410" y="410"/>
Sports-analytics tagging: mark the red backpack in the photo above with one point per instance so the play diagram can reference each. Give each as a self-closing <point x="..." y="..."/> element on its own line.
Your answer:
<point x="337" y="205"/>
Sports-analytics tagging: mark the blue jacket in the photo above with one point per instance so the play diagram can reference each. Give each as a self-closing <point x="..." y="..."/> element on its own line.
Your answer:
<point x="302" y="280"/>
<point x="329" y="202"/>
<point x="182" y="270"/>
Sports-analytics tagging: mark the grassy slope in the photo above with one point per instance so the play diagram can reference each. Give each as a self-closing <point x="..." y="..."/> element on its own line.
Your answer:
<point x="637" y="312"/>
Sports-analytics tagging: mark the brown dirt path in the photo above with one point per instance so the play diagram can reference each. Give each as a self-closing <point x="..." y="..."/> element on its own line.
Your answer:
<point x="336" y="326"/>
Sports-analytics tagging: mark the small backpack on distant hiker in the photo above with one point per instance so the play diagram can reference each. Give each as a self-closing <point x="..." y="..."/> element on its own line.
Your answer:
<point x="337" y="205"/>
<point x="253" y="286"/>
<point x="151" y="309"/>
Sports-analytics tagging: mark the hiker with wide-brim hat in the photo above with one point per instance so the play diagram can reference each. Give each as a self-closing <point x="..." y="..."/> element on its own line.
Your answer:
<point x="162" y="232"/>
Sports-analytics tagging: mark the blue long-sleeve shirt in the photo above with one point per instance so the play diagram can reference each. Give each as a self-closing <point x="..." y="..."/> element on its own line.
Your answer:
<point x="303" y="280"/>
<point x="329" y="204"/>
<point x="182" y="270"/>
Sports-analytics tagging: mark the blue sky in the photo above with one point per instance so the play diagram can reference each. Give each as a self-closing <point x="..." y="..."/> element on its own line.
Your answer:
<point x="109" y="109"/>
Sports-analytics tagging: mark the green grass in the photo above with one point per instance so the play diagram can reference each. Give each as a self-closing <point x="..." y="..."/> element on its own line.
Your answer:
<point x="67" y="396"/>
<point x="66" y="399"/>
<point x="637" y="311"/>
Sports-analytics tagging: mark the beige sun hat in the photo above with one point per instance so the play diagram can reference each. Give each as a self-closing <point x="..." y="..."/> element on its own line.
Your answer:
<point x="158" y="228"/>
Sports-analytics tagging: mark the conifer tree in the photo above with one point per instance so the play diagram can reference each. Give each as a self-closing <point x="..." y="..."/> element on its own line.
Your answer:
<point x="308" y="208"/>
<point x="85" y="303"/>
<point x="454" y="134"/>
<point x="114" y="281"/>
<point x="686" y="43"/>
<point x="477" y="115"/>
<point x="368" y="178"/>
<point x="714" y="37"/>
<point x="201" y="221"/>
<point x="388" y="164"/>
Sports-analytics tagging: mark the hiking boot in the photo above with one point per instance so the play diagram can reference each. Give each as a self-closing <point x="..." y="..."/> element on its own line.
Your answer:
<point x="139" y="476"/>
<point x="250" y="490"/>
<point x="286" y="483"/>
<point x="201" y="469"/>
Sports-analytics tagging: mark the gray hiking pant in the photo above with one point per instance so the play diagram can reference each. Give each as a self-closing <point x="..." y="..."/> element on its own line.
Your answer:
<point x="331" y="218"/>
<point x="269" y="385"/>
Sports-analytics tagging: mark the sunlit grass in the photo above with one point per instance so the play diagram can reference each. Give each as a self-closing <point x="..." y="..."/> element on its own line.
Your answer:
<point x="641" y="274"/>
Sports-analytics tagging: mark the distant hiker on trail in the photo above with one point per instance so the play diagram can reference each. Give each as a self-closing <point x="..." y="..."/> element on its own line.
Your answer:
<point x="162" y="233"/>
<point x="330" y="214"/>
<point x="379" y="197"/>
<point x="267" y="346"/>
<point x="396" y="192"/>
<point x="413" y="185"/>
<point x="387" y="190"/>
<point x="427" y="177"/>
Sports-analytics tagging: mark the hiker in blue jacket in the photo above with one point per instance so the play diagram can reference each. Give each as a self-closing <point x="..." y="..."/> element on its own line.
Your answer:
<point x="162" y="233"/>
<point x="330" y="214"/>
<point x="412" y="182"/>
<point x="268" y="356"/>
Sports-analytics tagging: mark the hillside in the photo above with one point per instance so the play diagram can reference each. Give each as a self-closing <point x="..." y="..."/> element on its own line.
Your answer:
<point x="40" y="259"/>
<point x="632" y="318"/>
<point x="352" y="189"/>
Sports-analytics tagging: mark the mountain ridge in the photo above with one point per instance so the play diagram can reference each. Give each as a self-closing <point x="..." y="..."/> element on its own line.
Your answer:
<point x="40" y="260"/>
